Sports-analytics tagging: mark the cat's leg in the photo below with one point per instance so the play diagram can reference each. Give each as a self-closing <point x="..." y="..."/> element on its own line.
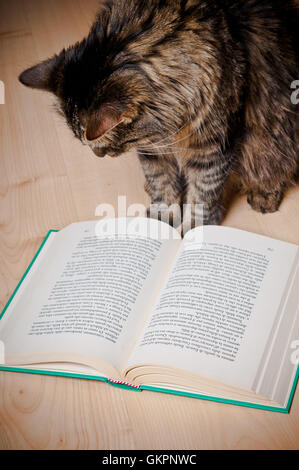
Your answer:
<point x="205" y="180"/>
<point x="263" y="200"/>
<point x="269" y="152"/>
<point x="165" y="185"/>
<point x="268" y="168"/>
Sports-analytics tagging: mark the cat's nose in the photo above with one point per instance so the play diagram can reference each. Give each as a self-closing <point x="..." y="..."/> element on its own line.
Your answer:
<point x="99" y="152"/>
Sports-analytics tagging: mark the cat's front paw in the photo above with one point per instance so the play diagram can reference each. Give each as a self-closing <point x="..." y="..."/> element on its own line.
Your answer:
<point x="264" y="202"/>
<point x="169" y="214"/>
<point x="213" y="216"/>
<point x="209" y="216"/>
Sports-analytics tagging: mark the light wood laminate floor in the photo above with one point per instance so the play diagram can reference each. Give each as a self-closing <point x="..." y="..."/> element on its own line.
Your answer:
<point x="48" y="180"/>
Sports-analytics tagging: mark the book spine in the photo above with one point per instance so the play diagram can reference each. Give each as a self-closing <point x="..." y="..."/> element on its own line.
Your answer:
<point x="123" y="384"/>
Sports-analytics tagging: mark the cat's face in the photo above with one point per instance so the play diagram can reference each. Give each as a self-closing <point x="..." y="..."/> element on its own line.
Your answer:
<point x="105" y="106"/>
<point x="123" y="86"/>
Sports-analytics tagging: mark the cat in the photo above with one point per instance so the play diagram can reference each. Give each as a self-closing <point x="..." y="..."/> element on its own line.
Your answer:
<point x="200" y="88"/>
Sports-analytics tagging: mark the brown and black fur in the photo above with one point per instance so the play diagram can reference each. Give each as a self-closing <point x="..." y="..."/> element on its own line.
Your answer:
<point x="200" y="88"/>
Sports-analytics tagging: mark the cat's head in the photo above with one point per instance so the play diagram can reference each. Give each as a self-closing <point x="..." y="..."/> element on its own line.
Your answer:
<point x="114" y="87"/>
<point x="101" y="102"/>
<point x="127" y="84"/>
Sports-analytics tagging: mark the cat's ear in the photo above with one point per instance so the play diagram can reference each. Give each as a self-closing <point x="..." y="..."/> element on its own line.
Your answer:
<point x="40" y="76"/>
<point x="106" y="118"/>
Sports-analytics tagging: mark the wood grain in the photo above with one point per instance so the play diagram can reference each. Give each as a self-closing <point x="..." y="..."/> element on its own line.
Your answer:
<point x="48" y="180"/>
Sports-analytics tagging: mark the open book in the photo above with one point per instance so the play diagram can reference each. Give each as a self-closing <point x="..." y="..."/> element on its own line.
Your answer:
<point x="213" y="316"/>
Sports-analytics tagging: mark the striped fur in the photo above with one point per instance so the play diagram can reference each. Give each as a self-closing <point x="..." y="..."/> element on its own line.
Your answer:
<point x="200" y="88"/>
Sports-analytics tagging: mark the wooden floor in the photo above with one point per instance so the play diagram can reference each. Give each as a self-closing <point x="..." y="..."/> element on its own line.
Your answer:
<point x="48" y="180"/>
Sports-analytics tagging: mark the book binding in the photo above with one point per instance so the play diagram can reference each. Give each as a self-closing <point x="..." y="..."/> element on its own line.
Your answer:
<point x="123" y="384"/>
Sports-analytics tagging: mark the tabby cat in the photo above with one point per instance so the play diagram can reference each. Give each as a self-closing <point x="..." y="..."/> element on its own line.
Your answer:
<point x="201" y="88"/>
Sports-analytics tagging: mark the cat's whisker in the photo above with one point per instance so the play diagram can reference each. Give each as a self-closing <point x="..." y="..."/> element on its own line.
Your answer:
<point x="173" y="134"/>
<point x="155" y="153"/>
<point x="177" y="141"/>
<point x="290" y="111"/>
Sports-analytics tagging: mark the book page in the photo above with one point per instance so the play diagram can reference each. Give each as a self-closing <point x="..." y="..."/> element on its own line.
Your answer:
<point x="90" y="293"/>
<point x="218" y="305"/>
